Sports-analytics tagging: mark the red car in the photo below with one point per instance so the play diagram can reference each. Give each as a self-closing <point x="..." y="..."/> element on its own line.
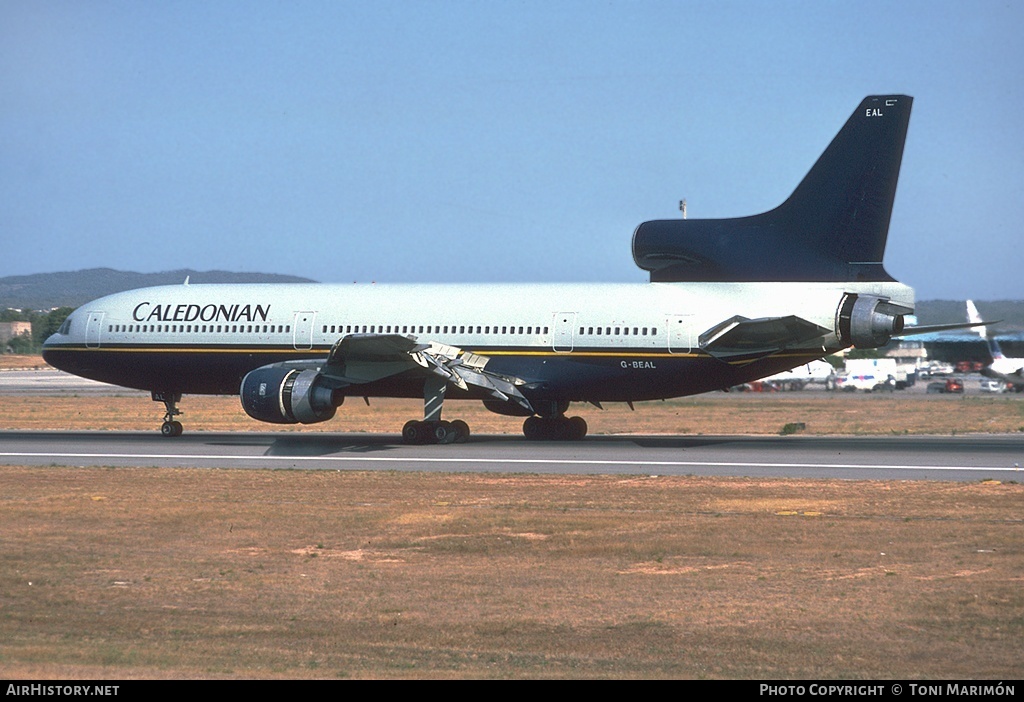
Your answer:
<point x="952" y="385"/>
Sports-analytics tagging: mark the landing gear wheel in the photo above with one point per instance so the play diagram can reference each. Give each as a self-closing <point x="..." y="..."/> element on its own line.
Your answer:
<point x="461" y="430"/>
<point x="443" y="433"/>
<point x="554" y="428"/>
<point x="576" y="428"/>
<point x="413" y="432"/>
<point x="533" y="428"/>
<point x="433" y="432"/>
<point x="171" y="429"/>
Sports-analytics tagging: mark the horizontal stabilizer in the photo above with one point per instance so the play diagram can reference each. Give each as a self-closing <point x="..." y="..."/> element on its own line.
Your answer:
<point x="911" y="331"/>
<point x="756" y="338"/>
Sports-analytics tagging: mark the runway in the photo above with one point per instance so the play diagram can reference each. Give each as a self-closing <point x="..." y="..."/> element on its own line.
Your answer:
<point x="54" y="383"/>
<point x="953" y="458"/>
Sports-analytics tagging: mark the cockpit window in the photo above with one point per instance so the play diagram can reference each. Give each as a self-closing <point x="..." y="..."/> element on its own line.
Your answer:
<point x="65" y="328"/>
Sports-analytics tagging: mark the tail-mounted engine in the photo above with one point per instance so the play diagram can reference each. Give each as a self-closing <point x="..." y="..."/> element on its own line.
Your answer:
<point x="282" y="395"/>
<point x="867" y="322"/>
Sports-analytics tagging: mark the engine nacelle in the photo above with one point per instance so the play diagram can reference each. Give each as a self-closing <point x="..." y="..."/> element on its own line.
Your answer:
<point x="282" y="395"/>
<point x="867" y="322"/>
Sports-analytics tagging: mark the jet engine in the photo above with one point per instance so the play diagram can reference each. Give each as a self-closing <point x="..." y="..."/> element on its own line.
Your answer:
<point x="867" y="322"/>
<point x="282" y="395"/>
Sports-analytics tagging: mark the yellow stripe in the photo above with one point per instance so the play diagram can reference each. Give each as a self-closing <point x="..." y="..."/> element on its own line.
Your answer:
<point x="191" y="349"/>
<point x="315" y="351"/>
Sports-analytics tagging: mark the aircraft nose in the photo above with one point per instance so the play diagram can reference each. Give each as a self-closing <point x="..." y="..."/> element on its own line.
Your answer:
<point x="51" y="353"/>
<point x="48" y="348"/>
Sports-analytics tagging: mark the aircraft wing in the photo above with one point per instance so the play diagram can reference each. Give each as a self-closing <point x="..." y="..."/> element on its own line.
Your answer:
<point x="363" y="358"/>
<point x="752" y="339"/>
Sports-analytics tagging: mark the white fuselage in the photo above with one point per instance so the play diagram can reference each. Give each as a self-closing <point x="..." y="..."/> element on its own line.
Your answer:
<point x="616" y="335"/>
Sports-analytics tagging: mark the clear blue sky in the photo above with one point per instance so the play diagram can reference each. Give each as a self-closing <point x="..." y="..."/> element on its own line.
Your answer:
<point x="478" y="141"/>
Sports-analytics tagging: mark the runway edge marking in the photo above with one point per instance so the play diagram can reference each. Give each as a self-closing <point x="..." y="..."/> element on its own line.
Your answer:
<point x="507" y="461"/>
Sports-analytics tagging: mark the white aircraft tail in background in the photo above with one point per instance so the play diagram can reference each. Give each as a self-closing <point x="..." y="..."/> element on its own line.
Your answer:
<point x="1010" y="370"/>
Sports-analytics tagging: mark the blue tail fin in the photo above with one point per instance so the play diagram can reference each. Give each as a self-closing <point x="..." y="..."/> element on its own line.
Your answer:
<point x="832" y="228"/>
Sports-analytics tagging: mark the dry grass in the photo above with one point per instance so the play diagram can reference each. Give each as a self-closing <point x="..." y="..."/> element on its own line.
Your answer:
<point x="714" y="413"/>
<point x="17" y="362"/>
<point x="735" y="413"/>
<point x="136" y="573"/>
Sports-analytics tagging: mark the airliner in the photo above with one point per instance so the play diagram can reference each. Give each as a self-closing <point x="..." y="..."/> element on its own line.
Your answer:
<point x="1000" y="367"/>
<point x="729" y="301"/>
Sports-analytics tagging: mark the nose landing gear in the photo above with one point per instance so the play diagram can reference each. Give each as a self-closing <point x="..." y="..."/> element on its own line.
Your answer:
<point x="171" y="427"/>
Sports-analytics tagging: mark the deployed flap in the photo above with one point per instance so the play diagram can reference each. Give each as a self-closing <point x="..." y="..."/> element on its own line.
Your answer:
<point x="757" y="338"/>
<point x="364" y="358"/>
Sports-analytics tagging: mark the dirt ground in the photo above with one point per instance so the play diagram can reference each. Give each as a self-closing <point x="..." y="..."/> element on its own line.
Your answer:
<point x="18" y="362"/>
<point x="719" y="413"/>
<point x="122" y="573"/>
<point x="138" y="573"/>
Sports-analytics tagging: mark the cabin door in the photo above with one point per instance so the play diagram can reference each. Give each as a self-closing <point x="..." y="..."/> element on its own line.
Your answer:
<point x="303" y="328"/>
<point x="680" y="338"/>
<point x="94" y="330"/>
<point x="564" y="328"/>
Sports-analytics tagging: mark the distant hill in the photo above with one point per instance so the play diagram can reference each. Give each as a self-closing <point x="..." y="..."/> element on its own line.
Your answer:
<point x="43" y="291"/>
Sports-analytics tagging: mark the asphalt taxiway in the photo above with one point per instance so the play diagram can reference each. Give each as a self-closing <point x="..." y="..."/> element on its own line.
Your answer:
<point x="955" y="458"/>
<point x="51" y="382"/>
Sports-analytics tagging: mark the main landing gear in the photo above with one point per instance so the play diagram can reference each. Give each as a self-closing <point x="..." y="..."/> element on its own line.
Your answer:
<point x="431" y="430"/>
<point x="435" y="432"/>
<point x="559" y="428"/>
<point x="171" y="426"/>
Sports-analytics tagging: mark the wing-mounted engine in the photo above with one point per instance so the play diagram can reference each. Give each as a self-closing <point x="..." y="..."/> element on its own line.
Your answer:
<point x="867" y="321"/>
<point x="289" y="395"/>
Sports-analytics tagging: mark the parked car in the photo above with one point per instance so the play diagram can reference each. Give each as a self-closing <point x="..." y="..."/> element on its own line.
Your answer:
<point x="969" y="366"/>
<point x="953" y="385"/>
<point x="996" y="386"/>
